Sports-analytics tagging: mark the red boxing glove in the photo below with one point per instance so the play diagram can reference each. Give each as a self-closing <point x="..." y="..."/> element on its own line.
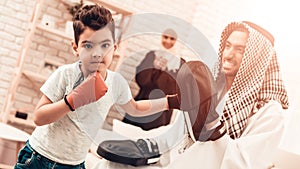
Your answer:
<point x="90" y="90"/>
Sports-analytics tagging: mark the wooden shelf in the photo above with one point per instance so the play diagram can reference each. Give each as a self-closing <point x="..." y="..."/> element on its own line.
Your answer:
<point x="54" y="31"/>
<point x="113" y="7"/>
<point x="35" y="76"/>
<point x="21" y="122"/>
<point x="53" y="62"/>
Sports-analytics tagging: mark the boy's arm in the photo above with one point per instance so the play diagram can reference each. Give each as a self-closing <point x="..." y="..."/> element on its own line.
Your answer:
<point x="148" y="107"/>
<point x="91" y="90"/>
<point x="47" y="112"/>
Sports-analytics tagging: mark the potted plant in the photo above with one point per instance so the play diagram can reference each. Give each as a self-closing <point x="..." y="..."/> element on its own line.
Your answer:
<point x="72" y="7"/>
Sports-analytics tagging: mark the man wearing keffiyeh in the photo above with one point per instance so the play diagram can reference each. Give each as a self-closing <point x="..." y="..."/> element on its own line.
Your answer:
<point x="256" y="79"/>
<point x="252" y="103"/>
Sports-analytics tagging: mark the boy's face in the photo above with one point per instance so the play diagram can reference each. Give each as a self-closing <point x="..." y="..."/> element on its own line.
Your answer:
<point x="95" y="50"/>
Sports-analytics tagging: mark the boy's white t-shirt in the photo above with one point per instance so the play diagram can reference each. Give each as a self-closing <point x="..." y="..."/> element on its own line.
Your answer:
<point x="67" y="140"/>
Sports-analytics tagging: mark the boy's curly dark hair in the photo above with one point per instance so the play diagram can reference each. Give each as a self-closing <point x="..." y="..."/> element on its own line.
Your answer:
<point x="94" y="17"/>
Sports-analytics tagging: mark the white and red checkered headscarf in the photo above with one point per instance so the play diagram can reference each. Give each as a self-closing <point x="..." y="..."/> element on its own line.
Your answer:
<point x="257" y="81"/>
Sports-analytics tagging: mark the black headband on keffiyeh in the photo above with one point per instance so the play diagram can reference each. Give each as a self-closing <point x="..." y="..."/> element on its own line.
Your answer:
<point x="257" y="81"/>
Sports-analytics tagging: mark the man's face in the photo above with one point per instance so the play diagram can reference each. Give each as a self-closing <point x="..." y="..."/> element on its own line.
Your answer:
<point x="95" y="50"/>
<point x="233" y="52"/>
<point x="168" y="41"/>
